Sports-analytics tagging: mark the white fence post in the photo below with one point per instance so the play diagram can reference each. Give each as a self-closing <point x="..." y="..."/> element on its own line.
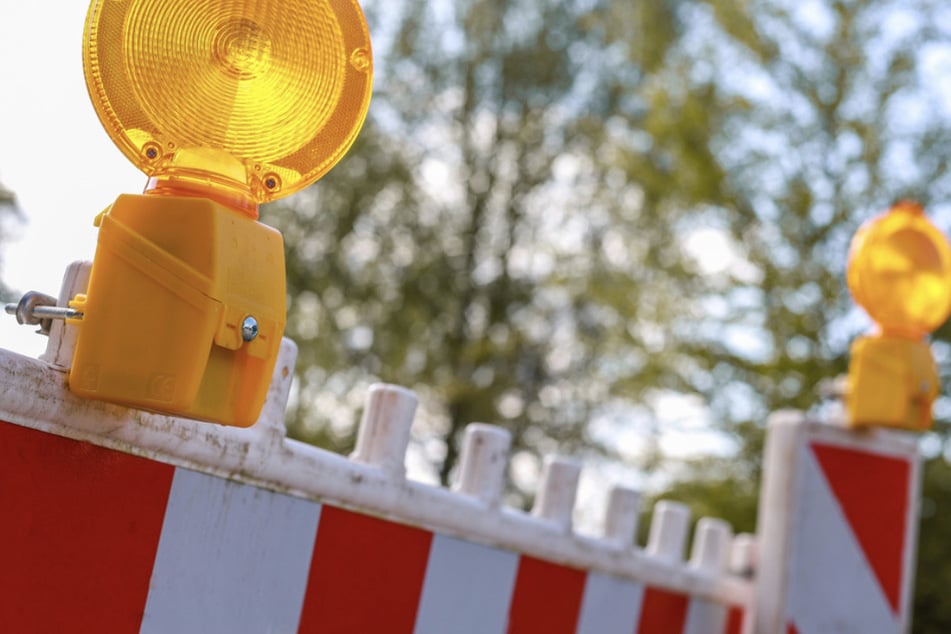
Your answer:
<point x="668" y="533"/>
<point x="62" y="338"/>
<point x="557" y="491"/>
<point x="743" y="555"/>
<point x="485" y="452"/>
<point x="622" y="515"/>
<point x="384" y="429"/>
<point x="709" y="556"/>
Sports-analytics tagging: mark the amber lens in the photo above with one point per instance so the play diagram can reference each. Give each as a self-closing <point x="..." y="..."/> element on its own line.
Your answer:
<point x="281" y="85"/>
<point x="900" y="272"/>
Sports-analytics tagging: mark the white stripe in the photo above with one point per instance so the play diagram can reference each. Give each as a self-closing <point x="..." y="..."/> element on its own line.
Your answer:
<point x="610" y="605"/>
<point x="705" y="617"/>
<point x="232" y="558"/>
<point x="831" y="583"/>
<point x="467" y="590"/>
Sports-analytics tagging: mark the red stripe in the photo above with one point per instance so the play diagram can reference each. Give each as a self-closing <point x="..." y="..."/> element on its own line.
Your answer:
<point x="80" y="529"/>
<point x="366" y="575"/>
<point x="734" y="620"/>
<point x="547" y="598"/>
<point x="662" y="612"/>
<point x="872" y="491"/>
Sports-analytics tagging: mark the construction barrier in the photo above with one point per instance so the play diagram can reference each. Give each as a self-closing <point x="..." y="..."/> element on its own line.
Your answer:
<point x="116" y="520"/>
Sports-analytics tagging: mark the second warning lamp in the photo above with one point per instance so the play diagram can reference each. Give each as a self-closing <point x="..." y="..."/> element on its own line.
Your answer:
<point x="899" y="271"/>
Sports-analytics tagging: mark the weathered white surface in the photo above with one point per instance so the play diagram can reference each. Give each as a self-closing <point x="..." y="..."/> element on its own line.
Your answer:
<point x="711" y="549"/>
<point x="467" y="589"/>
<point x="232" y="558"/>
<point x="485" y="453"/>
<point x="62" y="338"/>
<point x="711" y="546"/>
<point x="271" y="424"/>
<point x="622" y="515"/>
<point x="557" y="491"/>
<point x="34" y="394"/>
<point x="668" y="534"/>
<point x="384" y="429"/>
<point x="743" y="555"/>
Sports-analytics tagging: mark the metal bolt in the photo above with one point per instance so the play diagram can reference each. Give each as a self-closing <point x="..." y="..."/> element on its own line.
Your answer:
<point x="37" y="309"/>
<point x="249" y="328"/>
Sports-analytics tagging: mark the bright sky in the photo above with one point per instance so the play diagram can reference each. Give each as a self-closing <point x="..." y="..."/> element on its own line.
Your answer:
<point x="53" y="152"/>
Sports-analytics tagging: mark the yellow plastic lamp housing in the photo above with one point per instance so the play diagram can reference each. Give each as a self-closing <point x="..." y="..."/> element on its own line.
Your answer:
<point x="165" y="310"/>
<point x="242" y="102"/>
<point x="223" y="105"/>
<point x="899" y="271"/>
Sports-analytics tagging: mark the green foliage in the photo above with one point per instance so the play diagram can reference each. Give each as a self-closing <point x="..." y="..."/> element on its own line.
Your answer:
<point x="932" y="609"/>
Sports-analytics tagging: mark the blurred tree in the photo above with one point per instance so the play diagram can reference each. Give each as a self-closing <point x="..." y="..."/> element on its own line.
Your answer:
<point x="837" y="121"/>
<point x="477" y="245"/>
<point x="932" y="609"/>
<point x="835" y="127"/>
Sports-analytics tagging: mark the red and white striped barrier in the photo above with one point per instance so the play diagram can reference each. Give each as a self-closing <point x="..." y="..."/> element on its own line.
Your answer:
<point x="116" y="520"/>
<point x="837" y="529"/>
<point x="96" y="540"/>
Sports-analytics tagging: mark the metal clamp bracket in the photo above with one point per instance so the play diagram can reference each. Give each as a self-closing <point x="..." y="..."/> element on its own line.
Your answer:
<point x="39" y="309"/>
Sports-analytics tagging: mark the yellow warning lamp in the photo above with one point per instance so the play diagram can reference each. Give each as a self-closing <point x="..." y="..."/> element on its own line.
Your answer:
<point x="223" y="105"/>
<point x="899" y="271"/>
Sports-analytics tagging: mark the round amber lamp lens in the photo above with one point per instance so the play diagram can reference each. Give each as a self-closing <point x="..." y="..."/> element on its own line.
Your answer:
<point x="280" y="88"/>
<point x="900" y="271"/>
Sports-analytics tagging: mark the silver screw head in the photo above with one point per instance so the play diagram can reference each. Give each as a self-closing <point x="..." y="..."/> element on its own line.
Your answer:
<point x="249" y="328"/>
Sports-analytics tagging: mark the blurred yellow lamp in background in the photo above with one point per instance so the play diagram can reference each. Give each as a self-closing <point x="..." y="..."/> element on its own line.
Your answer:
<point x="223" y="105"/>
<point x="899" y="271"/>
